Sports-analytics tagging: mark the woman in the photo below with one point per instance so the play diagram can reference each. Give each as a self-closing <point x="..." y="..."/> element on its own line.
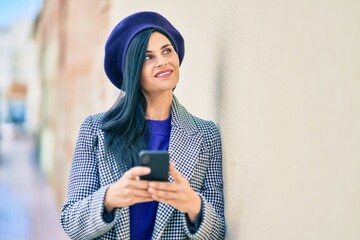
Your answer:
<point x="106" y="198"/>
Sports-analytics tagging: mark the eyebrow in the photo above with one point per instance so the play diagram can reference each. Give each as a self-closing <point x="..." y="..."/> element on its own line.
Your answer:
<point x="165" y="46"/>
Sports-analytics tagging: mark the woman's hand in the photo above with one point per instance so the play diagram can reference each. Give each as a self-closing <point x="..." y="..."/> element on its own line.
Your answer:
<point x="128" y="190"/>
<point x="178" y="194"/>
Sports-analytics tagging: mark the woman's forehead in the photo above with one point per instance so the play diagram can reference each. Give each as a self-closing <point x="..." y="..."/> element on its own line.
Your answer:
<point x="158" y="40"/>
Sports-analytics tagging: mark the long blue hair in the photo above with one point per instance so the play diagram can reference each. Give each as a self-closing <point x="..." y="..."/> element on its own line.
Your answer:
<point x="124" y="124"/>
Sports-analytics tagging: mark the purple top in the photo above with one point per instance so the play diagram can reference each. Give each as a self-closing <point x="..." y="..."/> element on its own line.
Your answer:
<point x="142" y="215"/>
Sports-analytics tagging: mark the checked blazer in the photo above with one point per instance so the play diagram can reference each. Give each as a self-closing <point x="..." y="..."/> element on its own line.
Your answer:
<point x="195" y="148"/>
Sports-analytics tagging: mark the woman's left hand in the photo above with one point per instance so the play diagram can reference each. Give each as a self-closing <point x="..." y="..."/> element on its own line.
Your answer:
<point x="178" y="194"/>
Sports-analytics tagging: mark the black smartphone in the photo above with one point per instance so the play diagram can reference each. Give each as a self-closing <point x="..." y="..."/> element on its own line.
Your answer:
<point x="158" y="162"/>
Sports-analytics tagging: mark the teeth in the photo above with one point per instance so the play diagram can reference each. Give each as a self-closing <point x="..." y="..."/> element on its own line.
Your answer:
<point x="164" y="73"/>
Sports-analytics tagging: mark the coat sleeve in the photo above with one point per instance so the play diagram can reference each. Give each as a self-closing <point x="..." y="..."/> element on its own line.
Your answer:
<point x="211" y="194"/>
<point x="81" y="215"/>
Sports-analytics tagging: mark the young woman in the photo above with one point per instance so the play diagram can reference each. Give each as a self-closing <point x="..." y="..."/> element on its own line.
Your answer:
<point x="106" y="198"/>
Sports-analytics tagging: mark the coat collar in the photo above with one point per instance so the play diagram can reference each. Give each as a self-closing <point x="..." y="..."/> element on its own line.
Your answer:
<point x="184" y="149"/>
<point x="181" y="119"/>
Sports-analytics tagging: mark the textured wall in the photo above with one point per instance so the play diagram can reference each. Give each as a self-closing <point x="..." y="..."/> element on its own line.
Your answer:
<point x="282" y="78"/>
<point x="70" y="37"/>
<point x="290" y="119"/>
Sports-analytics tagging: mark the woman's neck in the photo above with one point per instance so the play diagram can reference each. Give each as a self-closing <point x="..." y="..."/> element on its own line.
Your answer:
<point x="158" y="108"/>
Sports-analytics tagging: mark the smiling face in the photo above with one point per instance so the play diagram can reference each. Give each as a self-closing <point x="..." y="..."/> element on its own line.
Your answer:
<point x="160" y="72"/>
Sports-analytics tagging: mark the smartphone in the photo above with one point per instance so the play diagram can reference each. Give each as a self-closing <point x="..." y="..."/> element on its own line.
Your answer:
<point x="158" y="162"/>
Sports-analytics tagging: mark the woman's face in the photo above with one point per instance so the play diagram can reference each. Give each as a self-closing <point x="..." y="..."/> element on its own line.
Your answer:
<point x="160" y="72"/>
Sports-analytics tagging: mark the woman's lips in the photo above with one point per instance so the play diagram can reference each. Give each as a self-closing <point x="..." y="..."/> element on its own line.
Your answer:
<point x="163" y="74"/>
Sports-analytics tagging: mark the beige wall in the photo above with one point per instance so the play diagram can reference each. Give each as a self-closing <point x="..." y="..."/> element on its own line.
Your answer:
<point x="282" y="78"/>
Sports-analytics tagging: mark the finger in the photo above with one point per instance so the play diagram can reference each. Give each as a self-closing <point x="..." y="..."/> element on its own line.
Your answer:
<point x="138" y="184"/>
<point x="139" y="193"/>
<point x="163" y="186"/>
<point x="175" y="174"/>
<point x="162" y="196"/>
<point x="173" y="203"/>
<point x="141" y="200"/>
<point x="146" y="200"/>
<point x="135" y="172"/>
<point x="130" y="184"/>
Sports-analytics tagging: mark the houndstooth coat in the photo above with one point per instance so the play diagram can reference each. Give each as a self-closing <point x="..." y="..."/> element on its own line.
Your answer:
<point x="195" y="148"/>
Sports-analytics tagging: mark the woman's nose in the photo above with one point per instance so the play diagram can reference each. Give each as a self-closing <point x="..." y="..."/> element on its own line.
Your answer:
<point x="161" y="60"/>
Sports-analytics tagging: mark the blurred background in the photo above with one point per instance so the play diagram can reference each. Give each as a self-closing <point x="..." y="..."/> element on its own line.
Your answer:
<point x="281" y="78"/>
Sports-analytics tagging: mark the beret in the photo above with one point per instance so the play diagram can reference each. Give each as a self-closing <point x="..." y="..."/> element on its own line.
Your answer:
<point x="119" y="39"/>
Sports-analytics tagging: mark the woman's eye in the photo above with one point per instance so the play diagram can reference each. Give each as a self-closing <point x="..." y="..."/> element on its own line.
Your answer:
<point x="148" y="57"/>
<point x="167" y="51"/>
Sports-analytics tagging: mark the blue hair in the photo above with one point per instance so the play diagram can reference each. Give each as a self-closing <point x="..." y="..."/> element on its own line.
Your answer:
<point x="124" y="124"/>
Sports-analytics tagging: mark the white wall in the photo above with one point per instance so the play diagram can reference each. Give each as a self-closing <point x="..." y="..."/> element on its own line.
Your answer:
<point x="283" y="80"/>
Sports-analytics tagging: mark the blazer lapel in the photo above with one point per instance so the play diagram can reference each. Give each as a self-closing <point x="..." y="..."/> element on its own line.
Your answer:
<point x="184" y="149"/>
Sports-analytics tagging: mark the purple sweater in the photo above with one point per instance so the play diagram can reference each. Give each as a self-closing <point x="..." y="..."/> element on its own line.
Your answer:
<point x="142" y="215"/>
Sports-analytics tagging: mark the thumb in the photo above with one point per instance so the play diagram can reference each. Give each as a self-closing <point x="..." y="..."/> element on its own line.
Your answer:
<point x="175" y="174"/>
<point x="137" y="171"/>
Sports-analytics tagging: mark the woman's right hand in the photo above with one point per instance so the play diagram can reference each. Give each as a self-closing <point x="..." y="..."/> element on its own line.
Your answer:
<point x="128" y="190"/>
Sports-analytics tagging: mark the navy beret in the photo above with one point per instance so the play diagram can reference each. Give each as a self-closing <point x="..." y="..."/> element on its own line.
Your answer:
<point x="119" y="39"/>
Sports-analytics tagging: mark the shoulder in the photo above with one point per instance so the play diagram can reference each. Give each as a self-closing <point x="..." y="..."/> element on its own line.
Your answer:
<point x="191" y="122"/>
<point x="202" y="124"/>
<point x="209" y="131"/>
<point x="93" y="121"/>
<point x="91" y="125"/>
<point x="206" y="127"/>
<point x="89" y="129"/>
